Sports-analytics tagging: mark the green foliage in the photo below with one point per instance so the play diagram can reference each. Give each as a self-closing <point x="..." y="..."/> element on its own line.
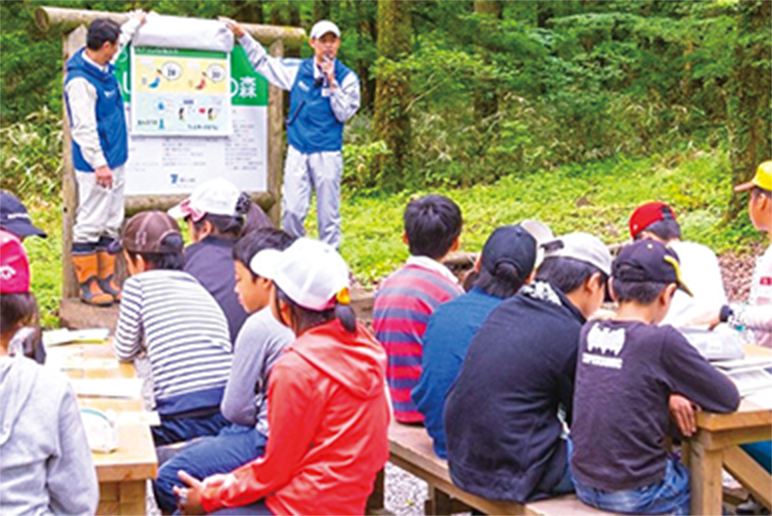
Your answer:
<point x="597" y="197"/>
<point x="32" y="155"/>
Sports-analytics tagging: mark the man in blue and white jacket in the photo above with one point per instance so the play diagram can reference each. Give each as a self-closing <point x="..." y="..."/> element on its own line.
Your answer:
<point x="324" y="94"/>
<point x="99" y="152"/>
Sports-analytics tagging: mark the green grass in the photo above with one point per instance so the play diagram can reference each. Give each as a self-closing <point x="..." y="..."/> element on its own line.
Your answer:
<point x="596" y="197"/>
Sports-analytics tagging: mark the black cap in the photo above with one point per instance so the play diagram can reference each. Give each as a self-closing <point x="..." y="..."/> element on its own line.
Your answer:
<point x="14" y="217"/>
<point x="510" y="244"/>
<point x="648" y="260"/>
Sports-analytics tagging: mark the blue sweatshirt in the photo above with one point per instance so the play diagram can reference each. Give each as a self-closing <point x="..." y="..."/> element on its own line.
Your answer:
<point x="451" y="329"/>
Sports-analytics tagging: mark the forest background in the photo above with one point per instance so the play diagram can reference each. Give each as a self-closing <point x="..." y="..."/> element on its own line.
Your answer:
<point x="572" y="112"/>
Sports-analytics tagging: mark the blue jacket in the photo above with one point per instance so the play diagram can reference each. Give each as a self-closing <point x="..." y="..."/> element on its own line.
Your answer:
<point x="110" y="116"/>
<point x="311" y="124"/>
<point x="448" y="335"/>
<point x="501" y="415"/>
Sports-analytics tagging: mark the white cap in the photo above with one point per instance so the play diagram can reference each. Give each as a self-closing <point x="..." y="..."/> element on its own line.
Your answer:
<point x="217" y="197"/>
<point x="541" y="233"/>
<point x="310" y="272"/>
<point x="322" y="27"/>
<point x="583" y="247"/>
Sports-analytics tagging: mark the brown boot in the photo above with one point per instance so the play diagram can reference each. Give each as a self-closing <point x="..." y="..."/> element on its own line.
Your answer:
<point x="86" y="271"/>
<point x="107" y="281"/>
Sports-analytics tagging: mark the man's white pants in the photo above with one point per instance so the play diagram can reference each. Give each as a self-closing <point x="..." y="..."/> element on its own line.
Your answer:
<point x="302" y="173"/>
<point x="100" y="210"/>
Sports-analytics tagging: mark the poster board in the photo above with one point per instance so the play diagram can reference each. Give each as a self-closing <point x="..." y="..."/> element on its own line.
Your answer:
<point x="179" y="92"/>
<point x="176" y="164"/>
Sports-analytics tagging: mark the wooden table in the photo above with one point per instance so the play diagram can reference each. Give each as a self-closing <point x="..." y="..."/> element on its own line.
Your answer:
<point x="123" y="473"/>
<point x="716" y="445"/>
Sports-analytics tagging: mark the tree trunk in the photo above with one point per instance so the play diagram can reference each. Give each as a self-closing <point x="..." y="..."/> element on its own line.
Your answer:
<point x="486" y="100"/>
<point x="749" y="111"/>
<point x="250" y="11"/>
<point x="322" y="10"/>
<point x="391" y="120"/>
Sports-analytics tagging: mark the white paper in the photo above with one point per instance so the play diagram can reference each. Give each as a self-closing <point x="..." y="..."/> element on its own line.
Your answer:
<point x="130" y="388"/>
<point x="177" y="32"/>
<point x="66" y="336"/>
<point x="762" y="398"/>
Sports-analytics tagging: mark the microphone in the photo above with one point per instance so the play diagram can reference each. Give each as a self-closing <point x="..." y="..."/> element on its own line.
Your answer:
<point x="318" y="82"/>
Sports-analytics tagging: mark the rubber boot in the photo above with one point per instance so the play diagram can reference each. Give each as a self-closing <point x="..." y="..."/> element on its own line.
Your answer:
<point x="106" y="274"/>
<point x="86" y="271"/>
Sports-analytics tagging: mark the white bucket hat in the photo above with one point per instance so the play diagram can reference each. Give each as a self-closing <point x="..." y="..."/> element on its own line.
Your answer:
<point x="310" y="272"/>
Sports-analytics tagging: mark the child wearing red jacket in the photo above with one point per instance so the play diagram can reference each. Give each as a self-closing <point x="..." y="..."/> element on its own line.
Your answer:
<point x="327" y="406"/>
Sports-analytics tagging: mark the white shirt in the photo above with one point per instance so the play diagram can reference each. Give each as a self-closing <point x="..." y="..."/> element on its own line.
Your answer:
<point x="702" y="275"/>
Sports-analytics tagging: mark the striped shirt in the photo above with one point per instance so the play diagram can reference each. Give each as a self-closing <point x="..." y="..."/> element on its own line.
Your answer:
<point x="402" y="308"/>
<point x="170" y="316"/>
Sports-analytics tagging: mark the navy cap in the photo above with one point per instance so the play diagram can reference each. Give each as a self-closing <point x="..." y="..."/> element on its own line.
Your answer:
<point x="510" y="244"/>
<point x="648" y="260"/>
<point x="14" y="217"/>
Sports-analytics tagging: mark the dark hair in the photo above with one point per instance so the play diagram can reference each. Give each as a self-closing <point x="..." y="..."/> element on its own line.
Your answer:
<point x="757" y="191"/>
<point x="172" y="260"/>
<point x="666" y="229"/>
<point x="643" y="292"/>
<point x="432" y="224"/>
<point x="305" y="318"/>
<point x="255" y="241"/>
<point x="17" y="310"/>
<point x="505" y="283"/>
<point x="100" y="31"/>
<point x="567" y="274"/>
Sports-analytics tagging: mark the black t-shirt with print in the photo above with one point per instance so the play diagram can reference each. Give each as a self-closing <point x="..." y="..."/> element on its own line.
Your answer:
<point x="625" y="374"/>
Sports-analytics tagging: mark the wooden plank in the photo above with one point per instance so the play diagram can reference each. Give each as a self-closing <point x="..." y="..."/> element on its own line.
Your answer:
<point x="132" y="491"/>
<point x="275" y="141"/>
<point x="411" y="449"/>
<point x="108" y="492"/>
<point x="137" y="203"/>
<point x="705" y="479"/>
<point x="68" y="19"/>
<point x="750" y="474"/>
<point x="741" y="434"/>
<point x="70" y="44"/>
<point x="134" y="459"/>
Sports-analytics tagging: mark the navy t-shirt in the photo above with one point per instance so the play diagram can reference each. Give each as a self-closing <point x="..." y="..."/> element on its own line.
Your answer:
<point x="210" y="261"/>
<point x="625" y="374"/>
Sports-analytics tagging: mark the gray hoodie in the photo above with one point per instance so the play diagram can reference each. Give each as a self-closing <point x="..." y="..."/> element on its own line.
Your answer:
<point x="45" y="461"/>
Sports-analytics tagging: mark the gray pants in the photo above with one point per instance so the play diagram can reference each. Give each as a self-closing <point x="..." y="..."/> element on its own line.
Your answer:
<point x="100" y="210"/>
<point x="302" y="173"/>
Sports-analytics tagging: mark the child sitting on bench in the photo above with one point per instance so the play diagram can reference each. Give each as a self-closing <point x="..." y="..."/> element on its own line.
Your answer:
<point x="627" y="369"/>
<point x="167" y="314"/>
<point x="260" y="342"/>
<point x="327" y="407"/>
<point x="44" y="456"/>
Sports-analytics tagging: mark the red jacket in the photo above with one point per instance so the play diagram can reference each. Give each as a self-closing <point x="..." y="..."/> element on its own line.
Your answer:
<point x="328" y="416"/>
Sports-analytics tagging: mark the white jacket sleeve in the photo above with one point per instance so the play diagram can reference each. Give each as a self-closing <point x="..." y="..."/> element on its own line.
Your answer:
<point x="82" y="98"/>
<point x="279" y="72"/>
<point x="71" y="477"/>
<point x="346" y="98"/>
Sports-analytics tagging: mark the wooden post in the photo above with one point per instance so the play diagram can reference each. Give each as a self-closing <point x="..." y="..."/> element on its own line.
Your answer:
<point x="71" y="43"/>
<point x="275" y="140"/>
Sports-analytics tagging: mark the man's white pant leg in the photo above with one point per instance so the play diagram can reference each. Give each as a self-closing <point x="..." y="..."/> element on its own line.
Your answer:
<point x="326" y="169"/>
<point x="296" y="192"/>
<point x="96" y="207"/>
<point x="117" y="209"/>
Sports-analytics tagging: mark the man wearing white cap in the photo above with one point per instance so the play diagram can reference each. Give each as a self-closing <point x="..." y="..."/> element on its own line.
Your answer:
<point x="324" y="94"/>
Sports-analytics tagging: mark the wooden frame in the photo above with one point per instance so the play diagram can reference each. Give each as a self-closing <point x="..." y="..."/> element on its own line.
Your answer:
<point x="73" y="22"/>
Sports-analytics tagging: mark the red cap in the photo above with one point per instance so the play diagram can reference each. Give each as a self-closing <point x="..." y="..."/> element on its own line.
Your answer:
<point x="647" y="214"/>
<point x="14" y="266"/>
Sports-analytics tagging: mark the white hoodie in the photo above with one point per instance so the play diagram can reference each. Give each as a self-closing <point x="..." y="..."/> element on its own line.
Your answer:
<point x="45" y="461"/>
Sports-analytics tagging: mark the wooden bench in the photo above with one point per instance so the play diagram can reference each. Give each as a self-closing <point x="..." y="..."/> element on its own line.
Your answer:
<point x="411" y="449"/>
